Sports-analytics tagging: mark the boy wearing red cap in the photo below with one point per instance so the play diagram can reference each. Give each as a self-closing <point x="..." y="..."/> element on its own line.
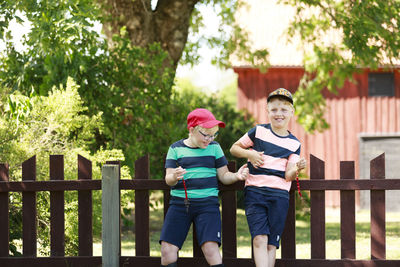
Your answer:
<point x="192" y="167"/>
<point x="273" y="155"/>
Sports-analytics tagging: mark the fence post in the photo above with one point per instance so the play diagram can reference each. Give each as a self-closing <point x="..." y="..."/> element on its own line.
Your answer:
<point x="347" y="213"/>
<point x="57" y="219"/>
<point x="142" y="213"/>
<point x="378" y="230"/>
<point x="317" y="172"/>
<point x="85" y="209"/>
<point x="29" y="211"/>
<point x="4" y="211"/>
<point x="110" y="216"/>
<point x="229" y="239"/>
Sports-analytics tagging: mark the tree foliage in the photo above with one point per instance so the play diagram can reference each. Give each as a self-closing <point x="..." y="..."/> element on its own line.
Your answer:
<point x="366" y="34"/>
<point x="43" y="126"/>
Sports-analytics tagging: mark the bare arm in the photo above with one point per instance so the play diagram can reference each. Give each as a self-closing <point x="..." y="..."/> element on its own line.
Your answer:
<point x="227" y="177"/>
<point x="172" y="176"/>
<point x="293" y="168"/>
<point x="255" y="157"/>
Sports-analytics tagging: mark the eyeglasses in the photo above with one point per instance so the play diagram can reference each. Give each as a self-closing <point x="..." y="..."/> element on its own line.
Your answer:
<point x="208" y="137"/>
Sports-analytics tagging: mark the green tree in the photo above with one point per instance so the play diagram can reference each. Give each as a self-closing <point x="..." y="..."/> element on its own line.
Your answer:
<point x="367" y="36"/>
<point x="43" y="126"/>
<point x="61" y="33"/>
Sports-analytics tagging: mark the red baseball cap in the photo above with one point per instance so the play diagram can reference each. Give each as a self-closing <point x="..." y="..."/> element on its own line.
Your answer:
<point x="204" y="118"/>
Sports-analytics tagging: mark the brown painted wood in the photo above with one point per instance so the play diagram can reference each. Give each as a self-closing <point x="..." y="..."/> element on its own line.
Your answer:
<point x="317" y="171"/>
<point x="187" y="262"/>
<point x="142" y="172"/>
<point x="229" y="217"/>
<point x="167" y="197"/>
<point x="289" y="233"/>
<point x="378" y="228"/>
<point x="4" y="211"/>
<point x="85" y="209"/>
<point x="57" y="220"/>
<point x="317" y="183"/>
<point x="29" y="212"/>
<point x="51" y="262"/>
<point x="37" y="186"/>
<point x="347" y="213"/>
<point x="71" y="185"/>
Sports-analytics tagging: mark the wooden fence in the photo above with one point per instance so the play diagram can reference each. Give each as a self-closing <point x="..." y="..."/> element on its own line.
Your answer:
<point x="347" y="185"/>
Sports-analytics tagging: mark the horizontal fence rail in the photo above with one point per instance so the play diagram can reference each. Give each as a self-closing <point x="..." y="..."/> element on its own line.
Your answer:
<point x="141" y="183"/>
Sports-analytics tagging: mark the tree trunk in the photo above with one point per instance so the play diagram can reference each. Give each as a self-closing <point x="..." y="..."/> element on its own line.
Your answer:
<point x="168" y="24"/>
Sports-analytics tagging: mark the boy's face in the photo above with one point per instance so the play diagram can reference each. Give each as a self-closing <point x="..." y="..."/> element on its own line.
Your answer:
<point x="202" y="137"/>
<point x="279" y="113"/>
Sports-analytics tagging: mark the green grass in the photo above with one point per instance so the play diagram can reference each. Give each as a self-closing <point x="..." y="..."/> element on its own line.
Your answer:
<point x="303" y="247"/>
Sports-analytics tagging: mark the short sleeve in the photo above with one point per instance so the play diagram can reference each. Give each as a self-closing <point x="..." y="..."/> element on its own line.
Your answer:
<point x="220" y="159"/>
<point x="293" y="158"/>
<point x="171" y="160"/>
<point x="247" y="140"/>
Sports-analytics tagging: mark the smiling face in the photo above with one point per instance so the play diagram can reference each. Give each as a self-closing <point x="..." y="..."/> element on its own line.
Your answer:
<point x="279" y="114"/>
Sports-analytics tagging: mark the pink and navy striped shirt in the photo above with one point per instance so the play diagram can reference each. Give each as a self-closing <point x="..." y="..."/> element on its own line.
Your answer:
<point x="278" y="151"/>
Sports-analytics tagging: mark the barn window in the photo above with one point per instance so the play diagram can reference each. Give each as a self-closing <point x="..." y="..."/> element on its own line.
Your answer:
<point x="380" y="84"/>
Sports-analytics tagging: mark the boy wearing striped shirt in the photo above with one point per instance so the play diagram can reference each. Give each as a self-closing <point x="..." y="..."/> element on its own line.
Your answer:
<point x="193" y="167"/>
<point x="273" y="155"/>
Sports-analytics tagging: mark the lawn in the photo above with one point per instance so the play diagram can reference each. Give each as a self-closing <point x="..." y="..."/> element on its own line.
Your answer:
<point x="302" y="236"/>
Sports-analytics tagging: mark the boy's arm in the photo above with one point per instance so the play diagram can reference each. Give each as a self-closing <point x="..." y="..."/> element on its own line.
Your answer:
<point x="255" y="157"/>
<point x="227" y="177"/>
<point x="293" y="168"/>
<point x="172" y="175"/>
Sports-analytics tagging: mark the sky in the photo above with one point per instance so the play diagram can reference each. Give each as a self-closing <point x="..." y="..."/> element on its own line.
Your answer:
<point x="205" y="75"/>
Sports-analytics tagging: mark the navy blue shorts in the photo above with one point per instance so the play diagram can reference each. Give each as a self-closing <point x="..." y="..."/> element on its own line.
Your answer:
<point x="206" y="218"/>
<point x="266" y="215"/>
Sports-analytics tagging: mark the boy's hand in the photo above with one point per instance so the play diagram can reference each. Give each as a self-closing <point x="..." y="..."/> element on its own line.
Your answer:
<point x="178" y="173"/>
<point x="256" y="158"/>
<point x="242" y="173"/>
<point x="301" y="164"/>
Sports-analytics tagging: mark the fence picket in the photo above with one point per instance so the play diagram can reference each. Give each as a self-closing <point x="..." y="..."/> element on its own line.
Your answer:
<point x="378" y="233"/>
<point x="289" y="233"/>
<point x="29" y="211"/>
<point x="317" y="172"/>
<point x="228" y="199"/>
<point x="347" y="213"/>
<point x="85" y="210"/>
<point x="4" y="211"/>
<point x="57" y="220"/>
<point x="142" y="171"/>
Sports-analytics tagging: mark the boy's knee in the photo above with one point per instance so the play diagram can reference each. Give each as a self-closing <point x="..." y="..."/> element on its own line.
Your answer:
<point x="174" y="264"/>
<point x="210" y="248"/>
<point x="260" y="240"/>
<point x="169" y="254"/>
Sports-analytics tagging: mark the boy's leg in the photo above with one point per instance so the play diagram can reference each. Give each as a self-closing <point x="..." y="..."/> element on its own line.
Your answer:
<point x="169" y="254"/>
<point x="211" y="253"/>
<point x="271" y="255"/>
<point x="173" y="233"/>
<point x="208" y="229"/>
<point x="260" y="250"/>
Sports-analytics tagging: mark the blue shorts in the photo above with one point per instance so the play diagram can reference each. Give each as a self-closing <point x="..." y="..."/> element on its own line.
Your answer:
<point x="206" y="218"/>
<point x="266" y="215"/>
